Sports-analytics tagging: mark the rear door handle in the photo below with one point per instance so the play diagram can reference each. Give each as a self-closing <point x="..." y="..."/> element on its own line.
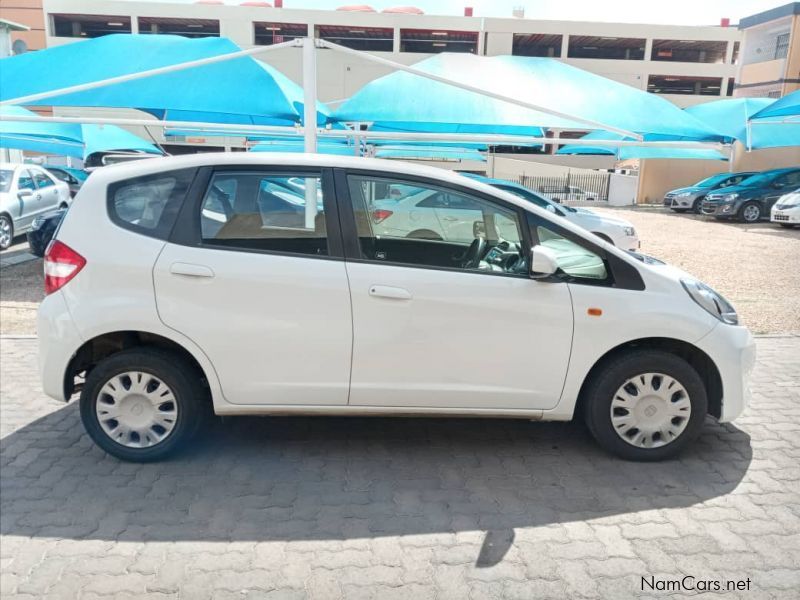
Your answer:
<point x="387" y="291"/>
<point x="190" y="270"/>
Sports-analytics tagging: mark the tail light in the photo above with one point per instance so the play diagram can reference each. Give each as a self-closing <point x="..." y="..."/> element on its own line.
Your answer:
<point x="381" y="214"/>
<point x="61" y="264"/>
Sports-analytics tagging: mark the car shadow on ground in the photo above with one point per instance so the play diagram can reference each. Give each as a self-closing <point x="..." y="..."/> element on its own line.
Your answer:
<point x="266" y="479"/>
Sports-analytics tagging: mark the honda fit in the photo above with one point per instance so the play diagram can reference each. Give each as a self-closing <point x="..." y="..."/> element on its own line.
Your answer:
<point x="266" y="285"/>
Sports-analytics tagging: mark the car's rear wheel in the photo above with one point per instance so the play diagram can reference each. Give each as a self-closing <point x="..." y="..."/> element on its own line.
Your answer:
<point x="6" y="232"/>
<point x="142" y="404"/>
<point x="750" y="212"/>
<point x="646" y="405"/>
<point x="424" y="234"/>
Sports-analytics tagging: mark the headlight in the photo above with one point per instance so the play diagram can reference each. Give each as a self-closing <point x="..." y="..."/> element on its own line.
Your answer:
<point x="793" y="204"/>
<point x="37" y="223"/>
<point x="730" y="197"/>
<point x="629" y="231"/>
<point x="684" y="194"/>
<point x="711" y="301"/>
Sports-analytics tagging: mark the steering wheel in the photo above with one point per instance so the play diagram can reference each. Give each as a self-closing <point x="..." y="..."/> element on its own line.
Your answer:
<point x="472" y="257"/>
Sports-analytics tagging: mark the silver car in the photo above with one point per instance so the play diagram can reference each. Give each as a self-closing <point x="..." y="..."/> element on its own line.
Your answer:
<point x="25" y="192"/>
<point x="691" y="198"/>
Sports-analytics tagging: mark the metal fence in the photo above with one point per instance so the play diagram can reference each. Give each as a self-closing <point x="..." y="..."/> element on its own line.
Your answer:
<point x="570" y="188"/>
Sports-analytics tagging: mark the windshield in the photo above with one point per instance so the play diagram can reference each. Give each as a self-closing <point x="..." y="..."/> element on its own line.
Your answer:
<point x="713" y="180"/>
<point x="6" y="176"/>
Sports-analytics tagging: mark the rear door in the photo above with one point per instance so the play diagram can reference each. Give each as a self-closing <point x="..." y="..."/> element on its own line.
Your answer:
<point x="258" y="281"/>
<point x="48" y="193"/>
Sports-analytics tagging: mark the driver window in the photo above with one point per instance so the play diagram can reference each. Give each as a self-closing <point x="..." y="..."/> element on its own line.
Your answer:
<point x="434" y="227"/>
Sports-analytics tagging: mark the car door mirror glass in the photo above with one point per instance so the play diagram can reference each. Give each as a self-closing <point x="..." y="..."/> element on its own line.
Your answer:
<point x="544" y="262"/>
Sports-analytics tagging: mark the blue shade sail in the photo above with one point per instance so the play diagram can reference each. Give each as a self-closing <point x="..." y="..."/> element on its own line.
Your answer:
<point x="643" y="151"/>
<point x="240" y="90"/>
<point x="429" y="153"/>
<point x="297" y="145"/>
<point x="68" y="139"/>
<point x="404" y="100"/>
<point x="729" y="117"/>
<point x="788" y="106"/>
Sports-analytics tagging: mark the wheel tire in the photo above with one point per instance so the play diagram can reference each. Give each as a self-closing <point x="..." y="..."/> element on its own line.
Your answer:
<point x="748" y="209"/>
<point x="787" y="225"/>
<point x="609" y="379"/>
<point x="6" y="241"/>
<point x="697" y="206"/>
<point x="175" y="372"/>
<point x="680" y="210"/>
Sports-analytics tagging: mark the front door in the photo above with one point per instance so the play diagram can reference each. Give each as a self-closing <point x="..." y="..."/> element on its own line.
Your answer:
<point x="262" y="289"/>
<point x="448" y="321"/>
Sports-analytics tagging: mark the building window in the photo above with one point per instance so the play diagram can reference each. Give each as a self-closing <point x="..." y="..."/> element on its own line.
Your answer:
<point x="689" y="51"/>
<point x="266" y="34"/>
<point x="191" y="28"/>
<point x="590" y="46"/>
<point x="731" y="87"/>
<point x="433" y="41"/>
<point x="782" y="46"/>
<point x="684" y="85"/>
<point x="735" y="56"/>
<point x="89" y="26"/>
<point x="537" y="44"/>
<point x="376" y="39"/>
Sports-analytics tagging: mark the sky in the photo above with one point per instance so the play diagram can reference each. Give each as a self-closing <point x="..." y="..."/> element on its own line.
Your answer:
<point x="668" y="12"/>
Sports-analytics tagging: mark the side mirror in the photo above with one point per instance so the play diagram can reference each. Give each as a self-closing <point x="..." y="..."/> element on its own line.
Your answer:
<point x="24" y="194"/>
<point x="551" y="208"/>
<point x="544" y="262"/>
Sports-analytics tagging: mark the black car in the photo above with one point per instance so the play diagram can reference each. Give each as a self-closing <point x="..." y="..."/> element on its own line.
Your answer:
<point x="43" y="229"/>
<point x="752" y="199"/>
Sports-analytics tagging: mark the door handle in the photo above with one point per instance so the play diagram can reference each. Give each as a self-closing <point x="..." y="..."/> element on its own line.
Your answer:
<point x="190" y="270"/>
<point x="449" y="218"/>
<point x="386" y="291"/>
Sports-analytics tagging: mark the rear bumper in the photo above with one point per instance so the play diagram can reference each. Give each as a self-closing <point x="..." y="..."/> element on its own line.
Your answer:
<point x="58" y="341"/>
<point x="733" y="350"/>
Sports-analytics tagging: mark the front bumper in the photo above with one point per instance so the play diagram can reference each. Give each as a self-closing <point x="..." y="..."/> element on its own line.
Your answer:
<point x="718" y="209"/>
<point x="58" y="341"/>
<point x="733" y="350"/>
<point x="789" y="216"/>
<point x="679" y="202"/>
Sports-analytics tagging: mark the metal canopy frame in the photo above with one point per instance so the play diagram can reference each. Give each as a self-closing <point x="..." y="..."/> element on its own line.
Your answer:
<point x="310" y="134"/>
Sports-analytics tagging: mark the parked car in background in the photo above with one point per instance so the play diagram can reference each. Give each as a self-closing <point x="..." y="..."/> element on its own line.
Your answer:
<point x="26" y="191"/>
<point x="751" y="199"/>
<point x="568" y="193"/>
<point x="74" y="178"/>
<point x="42" y="230"/>
<point x="522" y="317"/>
<point x="616" y="231"/>
<point x="691" y="198"/>
<point x="786" y="211"/>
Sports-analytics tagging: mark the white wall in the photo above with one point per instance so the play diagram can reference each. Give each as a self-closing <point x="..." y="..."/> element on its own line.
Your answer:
<point x="622" y="189"/>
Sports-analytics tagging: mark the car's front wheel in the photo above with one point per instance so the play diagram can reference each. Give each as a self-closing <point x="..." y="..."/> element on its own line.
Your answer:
<point x="697" y="206"/>
<point x="6" y="232"/>
<point x="142" y="404"/>
<point x="646" y="405"/>
<point x="750" y="212"/>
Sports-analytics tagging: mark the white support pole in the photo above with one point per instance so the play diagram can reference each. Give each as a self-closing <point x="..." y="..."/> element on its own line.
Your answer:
<point x="310" y="94"/>
<point x="310" y="122"/>
<point x="21" y="100"/>
<point x="478" y="90"/>
<point x="732" y="158"/>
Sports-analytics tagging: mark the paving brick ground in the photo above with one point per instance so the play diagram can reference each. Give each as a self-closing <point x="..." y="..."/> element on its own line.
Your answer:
<point x="405" y="508"/>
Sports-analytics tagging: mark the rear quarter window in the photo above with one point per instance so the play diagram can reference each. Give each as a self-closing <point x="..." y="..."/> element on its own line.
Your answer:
<point x="149" y="204"/>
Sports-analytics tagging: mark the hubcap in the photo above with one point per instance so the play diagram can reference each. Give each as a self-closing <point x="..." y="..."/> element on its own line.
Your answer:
<point x="650" y="410"/>
<point x="136" y="409"/>
<point x="751" y="213"/>
<point x="5" y="233"/>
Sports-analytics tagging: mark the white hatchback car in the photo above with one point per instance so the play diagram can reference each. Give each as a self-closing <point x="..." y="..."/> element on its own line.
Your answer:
<point x="157" y="312"/>
<point x="27" y="191"/>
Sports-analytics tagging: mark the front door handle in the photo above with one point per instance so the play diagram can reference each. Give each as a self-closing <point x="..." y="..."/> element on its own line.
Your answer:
<point x="190" y="270"/>
<point x="387" y="291"/>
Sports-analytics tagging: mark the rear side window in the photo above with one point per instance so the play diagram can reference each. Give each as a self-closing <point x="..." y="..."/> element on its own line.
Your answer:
<point x="42" y="180"/>
<point x="149" y="204"/>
